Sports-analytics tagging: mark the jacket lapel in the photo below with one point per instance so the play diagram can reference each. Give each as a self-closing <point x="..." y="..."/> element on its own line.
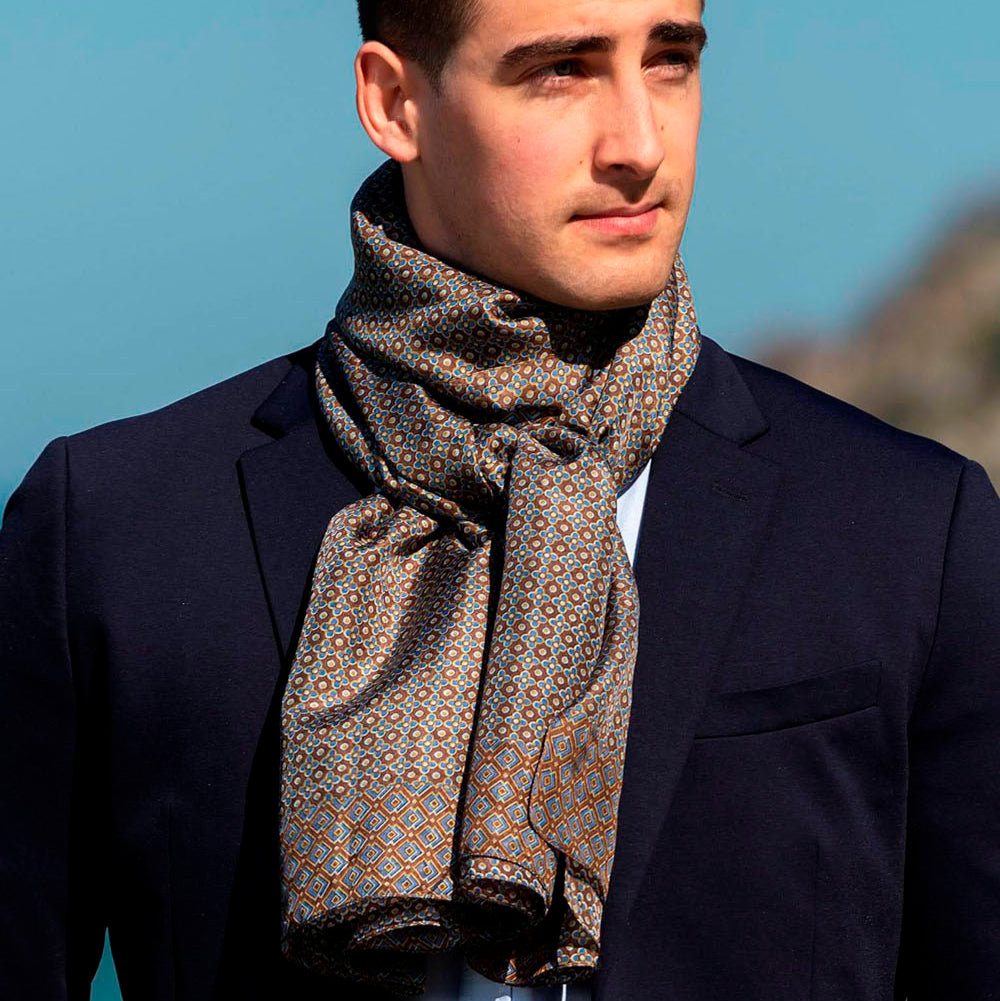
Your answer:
<point x="292" y="486"/>
<point x="704" y="515"/>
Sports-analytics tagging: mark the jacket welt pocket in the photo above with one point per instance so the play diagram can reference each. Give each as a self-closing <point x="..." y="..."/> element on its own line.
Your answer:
<point x="794" y="703"/>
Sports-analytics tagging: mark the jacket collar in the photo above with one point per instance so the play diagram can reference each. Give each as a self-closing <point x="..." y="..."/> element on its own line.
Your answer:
<point x="291" y="488"/>
<point x="717" y="398"/>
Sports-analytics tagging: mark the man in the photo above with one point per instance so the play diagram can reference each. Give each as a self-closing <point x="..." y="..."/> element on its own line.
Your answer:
<point x="334" y="677"/>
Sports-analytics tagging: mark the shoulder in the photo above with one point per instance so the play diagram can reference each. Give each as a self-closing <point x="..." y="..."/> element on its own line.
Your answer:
<point x="184" y="450"/>
<point x="212" y="422"/>
<point x="848" y="475"/>
<point x="181" y="456"/>
<point x="823" y="432"/>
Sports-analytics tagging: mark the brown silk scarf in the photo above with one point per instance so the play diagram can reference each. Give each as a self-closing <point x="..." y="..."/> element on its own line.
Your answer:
<point x="452" y="745"/>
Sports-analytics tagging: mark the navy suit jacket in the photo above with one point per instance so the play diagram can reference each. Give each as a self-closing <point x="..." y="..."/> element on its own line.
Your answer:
<point x="811" y="801"/>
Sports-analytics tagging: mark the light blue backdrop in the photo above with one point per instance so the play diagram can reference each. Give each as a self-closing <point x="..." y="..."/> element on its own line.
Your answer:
<point x="175" y="182"/>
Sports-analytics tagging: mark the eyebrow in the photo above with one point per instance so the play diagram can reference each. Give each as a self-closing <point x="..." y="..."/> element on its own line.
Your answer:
<point x="560" y="46"/>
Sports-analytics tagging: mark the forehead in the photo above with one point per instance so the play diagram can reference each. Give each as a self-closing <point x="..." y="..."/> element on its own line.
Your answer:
<point x="499" y="21"/>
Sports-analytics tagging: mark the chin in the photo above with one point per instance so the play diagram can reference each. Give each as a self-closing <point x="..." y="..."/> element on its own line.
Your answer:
<point x="605" y="295"/>
<point x="626" y="299"/>
<point x="616" y="283"/>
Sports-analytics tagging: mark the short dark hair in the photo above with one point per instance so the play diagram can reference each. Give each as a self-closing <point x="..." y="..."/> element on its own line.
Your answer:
<point x="424" y="31"/>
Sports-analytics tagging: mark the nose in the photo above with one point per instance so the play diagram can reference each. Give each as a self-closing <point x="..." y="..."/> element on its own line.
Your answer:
<point x="630" y="141"/>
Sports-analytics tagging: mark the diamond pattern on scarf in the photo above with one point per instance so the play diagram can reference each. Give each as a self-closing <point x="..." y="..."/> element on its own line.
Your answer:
<point x="451" y="775"/>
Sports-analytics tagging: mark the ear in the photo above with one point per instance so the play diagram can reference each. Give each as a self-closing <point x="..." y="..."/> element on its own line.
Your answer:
<point x="385" y="98"/>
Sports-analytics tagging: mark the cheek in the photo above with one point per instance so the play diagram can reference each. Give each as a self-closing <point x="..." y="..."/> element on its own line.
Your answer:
<point x="519" y="145"/>
<point x="509" y="180"/>
<point x="532" y="170"/>
<point x="681" y="144"/>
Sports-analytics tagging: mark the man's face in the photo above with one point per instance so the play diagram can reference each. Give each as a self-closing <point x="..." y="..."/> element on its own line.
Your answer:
<point x="558" y="158"/>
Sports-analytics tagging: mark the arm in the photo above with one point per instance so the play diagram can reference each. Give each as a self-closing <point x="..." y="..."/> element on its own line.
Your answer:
<point x="51" y="921"/>
<point x="951" y="927"/>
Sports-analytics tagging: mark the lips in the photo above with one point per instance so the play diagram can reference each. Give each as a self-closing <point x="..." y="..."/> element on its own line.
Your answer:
<point x="624" y="211"/>
<point x="625" y="220"/>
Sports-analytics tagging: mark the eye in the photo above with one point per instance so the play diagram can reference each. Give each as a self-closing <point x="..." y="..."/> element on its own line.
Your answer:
<point x="675" y="62"/>
<point x="564" y="68"/>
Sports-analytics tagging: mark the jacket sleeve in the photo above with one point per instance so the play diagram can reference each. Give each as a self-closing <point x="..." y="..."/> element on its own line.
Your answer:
<point x="951" y="928"/>
<point x="51" y="918"/>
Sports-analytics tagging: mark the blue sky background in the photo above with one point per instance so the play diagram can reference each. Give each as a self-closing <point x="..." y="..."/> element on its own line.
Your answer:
<point x="176" y="179"/>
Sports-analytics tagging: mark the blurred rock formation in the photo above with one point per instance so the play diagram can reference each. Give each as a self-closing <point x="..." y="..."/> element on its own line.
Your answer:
<point x="927" y="358"/>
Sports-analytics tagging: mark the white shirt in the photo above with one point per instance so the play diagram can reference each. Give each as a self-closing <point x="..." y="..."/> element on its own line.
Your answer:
<point x="448" y="977"/>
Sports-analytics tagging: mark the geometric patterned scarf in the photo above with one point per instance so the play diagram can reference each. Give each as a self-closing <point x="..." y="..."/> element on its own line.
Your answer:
<point x="453" y="727"/>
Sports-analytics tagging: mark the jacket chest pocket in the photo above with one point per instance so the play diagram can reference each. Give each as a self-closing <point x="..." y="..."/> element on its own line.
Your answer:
<point x="792" y="703"/>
